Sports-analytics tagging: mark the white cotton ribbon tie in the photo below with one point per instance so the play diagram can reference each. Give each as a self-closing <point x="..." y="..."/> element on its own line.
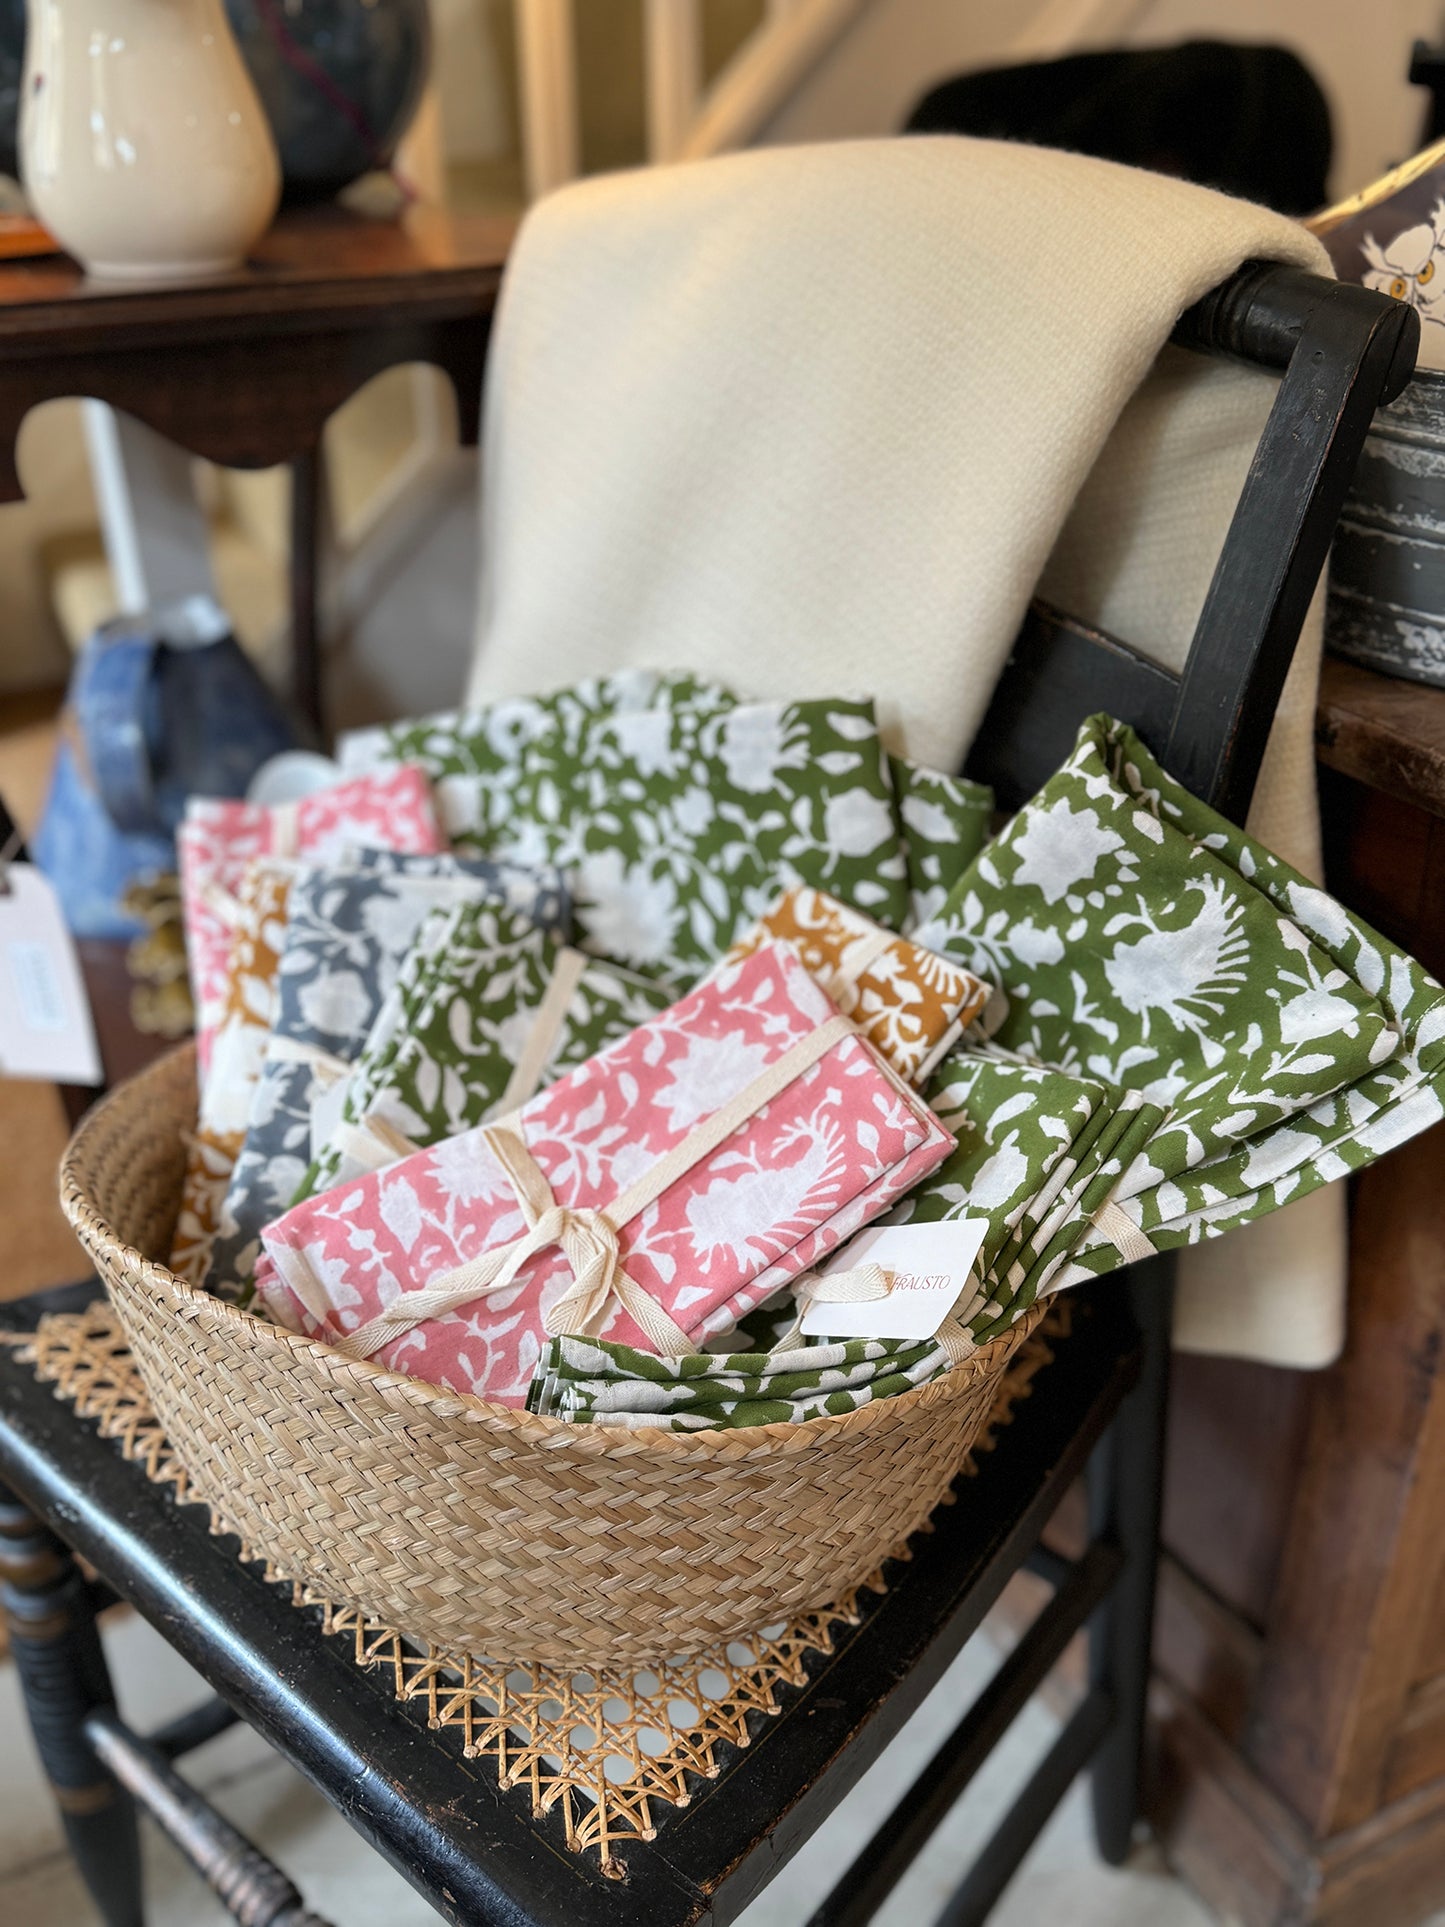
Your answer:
<point x="587" y="1235"/>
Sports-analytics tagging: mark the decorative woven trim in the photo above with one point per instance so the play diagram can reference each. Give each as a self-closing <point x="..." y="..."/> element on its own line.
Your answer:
<point x="601" y="1748"/>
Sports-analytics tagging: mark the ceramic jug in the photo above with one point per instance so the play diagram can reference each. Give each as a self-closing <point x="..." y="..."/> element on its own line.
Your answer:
<point x="143" y="146"/>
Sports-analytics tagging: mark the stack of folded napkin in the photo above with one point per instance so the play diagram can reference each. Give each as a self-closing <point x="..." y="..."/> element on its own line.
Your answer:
<point x="582" y="1114"/>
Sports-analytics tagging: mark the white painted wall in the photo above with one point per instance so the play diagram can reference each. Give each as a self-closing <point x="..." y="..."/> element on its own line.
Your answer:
<point x="1358" y="53"/>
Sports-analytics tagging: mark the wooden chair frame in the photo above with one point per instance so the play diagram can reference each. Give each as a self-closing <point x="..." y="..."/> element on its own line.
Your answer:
<point x="473" y="1850"/>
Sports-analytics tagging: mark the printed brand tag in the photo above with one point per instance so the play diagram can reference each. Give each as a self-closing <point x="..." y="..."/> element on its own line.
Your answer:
<point x="45" y="1024"/>
<point x="928" y="1268"/>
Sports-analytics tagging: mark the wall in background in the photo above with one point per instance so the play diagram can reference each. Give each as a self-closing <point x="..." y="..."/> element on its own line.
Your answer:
<point x="1358" y="54"/>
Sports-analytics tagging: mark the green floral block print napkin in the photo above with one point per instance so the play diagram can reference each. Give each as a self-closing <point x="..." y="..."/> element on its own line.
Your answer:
<point x="678" y="828"/>
<point x="945" y="822"/>
<point x="477" y="758"/>
<point x="1144" y="941"/>
<point x="466" y="1006"/>
<point x="592" y="1381"/>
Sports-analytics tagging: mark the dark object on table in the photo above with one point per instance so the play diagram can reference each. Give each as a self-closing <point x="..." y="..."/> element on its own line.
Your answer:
<point x="1387" y="575"/>
<point x="1427" y="69"/>
<point x="1250" y="121"/>
<point x="161" y="707"/>
<point x="12" y="60"/>
<point x="339" y="79"/>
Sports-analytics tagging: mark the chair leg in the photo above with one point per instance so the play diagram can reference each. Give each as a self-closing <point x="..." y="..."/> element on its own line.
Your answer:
<point x="63" y="1676"/>
<point x="1126" y="1482"/>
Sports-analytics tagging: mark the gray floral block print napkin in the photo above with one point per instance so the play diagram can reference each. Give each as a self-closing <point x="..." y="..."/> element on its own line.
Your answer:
<point x="347" y="933"/>
<point x="1143" y="940"/>
<point x="474" y="994"/>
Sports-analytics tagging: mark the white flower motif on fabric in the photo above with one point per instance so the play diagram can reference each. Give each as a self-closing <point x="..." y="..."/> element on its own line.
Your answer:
<point x="630" y="914"/>
<point x="1061" y="847"/>
<point x="856" y="822"/>
<point x="711" y="1071"/>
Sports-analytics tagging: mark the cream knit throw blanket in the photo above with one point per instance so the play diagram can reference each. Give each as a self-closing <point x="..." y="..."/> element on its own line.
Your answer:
<point x="821" y="420"/>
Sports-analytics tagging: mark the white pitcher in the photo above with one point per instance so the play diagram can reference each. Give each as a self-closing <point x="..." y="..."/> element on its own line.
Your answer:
<point x="143" y="146"/>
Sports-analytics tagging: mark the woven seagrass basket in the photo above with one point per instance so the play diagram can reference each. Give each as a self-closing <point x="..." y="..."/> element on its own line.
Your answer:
<point x="473" y="1525"/>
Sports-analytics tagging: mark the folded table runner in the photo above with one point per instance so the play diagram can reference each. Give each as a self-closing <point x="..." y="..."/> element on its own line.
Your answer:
<point x="487" y="1010"/>
<point x="347" y="933"/>
<point x="719" y="1149"/>
<point x="247" y="1013"/>
<point x="678" y="828"/>
<point x="390" y="809"/>
<point x="908" y="1002"/>
<point x="946" y="822"/>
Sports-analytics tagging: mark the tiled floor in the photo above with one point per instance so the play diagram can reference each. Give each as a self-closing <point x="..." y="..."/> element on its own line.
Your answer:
<point x="351" y="1887"/>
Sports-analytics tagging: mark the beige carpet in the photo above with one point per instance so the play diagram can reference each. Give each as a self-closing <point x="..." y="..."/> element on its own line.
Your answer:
<point x="38" y="1245"/>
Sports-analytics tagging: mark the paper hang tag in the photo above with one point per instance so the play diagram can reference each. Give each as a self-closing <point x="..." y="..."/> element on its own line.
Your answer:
<point x="327" y="1103"/>
<point x="45" y="1024"/>
<point x="928" y="1267"/>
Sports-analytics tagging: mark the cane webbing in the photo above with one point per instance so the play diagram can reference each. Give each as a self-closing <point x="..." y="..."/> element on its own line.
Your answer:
<point x="599" y="1748"/>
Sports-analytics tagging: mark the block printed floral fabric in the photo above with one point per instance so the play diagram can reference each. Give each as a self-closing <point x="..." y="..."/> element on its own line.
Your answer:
<point x="391" y="809"/>
<point x="465" y="1006"/>
<point x="247" y="1013"/>
<point x="827" y="1154"/>
<point x="1027" y="1139"/>
<point x="679" y="828"/>
<point x="1145" y="941"/>
<point x="908" y="1002"/>
<point x="591" y="1381"/>
<point x="680" y="812"/>
<point x="347" y="933"/>
<point x="479" y="758"/>
<point x="945" y="821"/>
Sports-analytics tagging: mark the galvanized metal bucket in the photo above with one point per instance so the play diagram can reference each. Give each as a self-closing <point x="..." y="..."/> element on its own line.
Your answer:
<point x="1387" y="572"/>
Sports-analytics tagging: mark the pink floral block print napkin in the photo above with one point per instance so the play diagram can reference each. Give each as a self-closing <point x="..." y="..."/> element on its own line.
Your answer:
<point x="391" y="810"/>
<point x="830" y="1152"/>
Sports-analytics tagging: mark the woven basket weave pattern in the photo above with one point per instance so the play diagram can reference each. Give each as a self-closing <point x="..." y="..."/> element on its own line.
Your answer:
<point x="472" y="1525"/>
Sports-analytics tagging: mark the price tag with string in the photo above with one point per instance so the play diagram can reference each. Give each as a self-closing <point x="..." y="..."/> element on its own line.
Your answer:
<point x="46" y="1030"/>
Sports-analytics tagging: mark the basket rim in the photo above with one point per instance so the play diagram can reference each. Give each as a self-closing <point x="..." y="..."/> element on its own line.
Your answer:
<point x="106" y="1246"/>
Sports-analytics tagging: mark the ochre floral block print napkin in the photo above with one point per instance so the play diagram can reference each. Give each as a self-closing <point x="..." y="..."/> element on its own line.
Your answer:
<point x="347" y="932"/>
<point x="908" y="1002"/>
<point x="487" y="1010"/>
<point x="247" y="1014"/>
<point x="754" y="1190"/>
<point x="391" y="810"/>
<point x="1145" y="941"/>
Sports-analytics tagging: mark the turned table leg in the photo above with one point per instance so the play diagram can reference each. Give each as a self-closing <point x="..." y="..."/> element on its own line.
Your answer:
<point x="62" y="1672"/>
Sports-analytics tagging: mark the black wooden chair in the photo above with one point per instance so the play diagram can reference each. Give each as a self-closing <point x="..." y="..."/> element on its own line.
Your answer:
<point x="475" y="1851"/>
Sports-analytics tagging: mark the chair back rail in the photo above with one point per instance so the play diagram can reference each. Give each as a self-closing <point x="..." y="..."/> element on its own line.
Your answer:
<point x="1344" y="351"/>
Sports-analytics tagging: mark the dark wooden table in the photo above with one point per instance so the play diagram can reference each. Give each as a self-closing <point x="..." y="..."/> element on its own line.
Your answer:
<point x="246" y="369"/>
